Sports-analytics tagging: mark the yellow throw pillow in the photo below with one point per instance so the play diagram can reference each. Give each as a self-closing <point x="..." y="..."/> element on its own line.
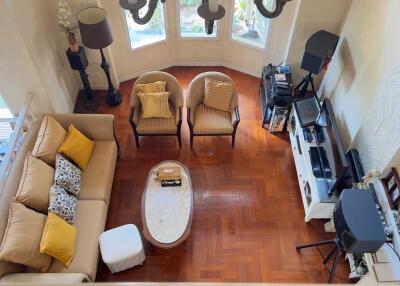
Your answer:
<point x="218" y="94"/>
<point x="21" y="242"/>
<point x="51" y="135"/>
<point x="58" y="239"/>
<point x="158" y="86"/>
<point x="155" y="104"/>
<point x="77" y="147"/>
<point x="36" y="180"/>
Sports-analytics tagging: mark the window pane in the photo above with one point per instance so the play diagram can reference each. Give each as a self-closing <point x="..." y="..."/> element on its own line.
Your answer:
<point x="191" y="24"/>
<point x="248" y="25"/>
<point x="152" y="32"/>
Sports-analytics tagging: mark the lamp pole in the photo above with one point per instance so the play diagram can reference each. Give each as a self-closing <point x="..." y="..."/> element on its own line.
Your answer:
<point x="113" y="95"/>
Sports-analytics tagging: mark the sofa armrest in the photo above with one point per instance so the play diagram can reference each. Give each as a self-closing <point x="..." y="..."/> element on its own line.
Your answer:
<point x="45" y="278"/>
<point x="98" y="127"/>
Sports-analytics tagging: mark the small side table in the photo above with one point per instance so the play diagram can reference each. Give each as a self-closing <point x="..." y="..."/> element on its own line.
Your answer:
<point x="78" y="61"/>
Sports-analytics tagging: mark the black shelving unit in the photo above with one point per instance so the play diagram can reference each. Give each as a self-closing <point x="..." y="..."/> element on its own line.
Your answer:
<point x="270" y="95"/>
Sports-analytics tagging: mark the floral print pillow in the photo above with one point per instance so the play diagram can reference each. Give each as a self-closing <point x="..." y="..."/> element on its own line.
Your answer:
<point x="62" y="204"/>
<point x="67" y="176"/>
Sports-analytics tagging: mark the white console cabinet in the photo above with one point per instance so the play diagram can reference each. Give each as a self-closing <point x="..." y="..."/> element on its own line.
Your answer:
<point x="316" y="201"/>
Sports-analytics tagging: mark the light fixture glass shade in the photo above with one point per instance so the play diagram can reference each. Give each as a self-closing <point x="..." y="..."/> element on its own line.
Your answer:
<point x="94" y="27"/>
<point x="213" y="5"/>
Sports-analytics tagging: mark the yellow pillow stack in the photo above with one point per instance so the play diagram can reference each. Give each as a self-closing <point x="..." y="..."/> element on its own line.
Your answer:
<point x="58" y="239"/>
<point x="158" y="86"/>
<point x="77" y="147"/>
<point x="155" y="104"/>
<point x="154" y="99"/>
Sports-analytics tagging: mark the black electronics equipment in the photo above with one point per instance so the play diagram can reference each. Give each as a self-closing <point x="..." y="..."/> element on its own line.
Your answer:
<point x="356" y="165"/>
<point x="319" y="163"/>
<point x="335" y="152"/>
<point x="357" y="222"/>
<point x="358" y="227"/>
<point x="307" y="109"/>
<point x="274" y="92"/>
<point x="318" y="52"/>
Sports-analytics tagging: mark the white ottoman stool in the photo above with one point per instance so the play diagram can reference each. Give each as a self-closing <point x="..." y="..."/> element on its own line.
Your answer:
<point x="121" y="248"/>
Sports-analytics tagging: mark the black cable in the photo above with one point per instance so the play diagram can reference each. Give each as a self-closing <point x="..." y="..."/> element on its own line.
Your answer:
<point x="394" y="250"/>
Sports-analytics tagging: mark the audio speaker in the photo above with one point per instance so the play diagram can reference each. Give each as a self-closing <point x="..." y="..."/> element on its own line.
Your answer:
<point x="319" y="50"/>
<point x="357" y="222"/>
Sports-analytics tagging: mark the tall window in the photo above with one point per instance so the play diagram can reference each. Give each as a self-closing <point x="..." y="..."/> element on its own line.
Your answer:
<point x="152" y="32"/>
<point x="248" y="25"/>
<point x="190" y="23"/>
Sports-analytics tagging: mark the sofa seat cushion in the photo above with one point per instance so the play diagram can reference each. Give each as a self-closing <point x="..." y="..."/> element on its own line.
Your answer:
<point x="212" y="121"/>
<point x="90" y="221"/>
<point x="157" y="125"/>
<point x="98" y="177"/>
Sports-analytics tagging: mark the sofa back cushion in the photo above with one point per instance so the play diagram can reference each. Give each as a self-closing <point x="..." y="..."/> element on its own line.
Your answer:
<point x="21" y="242"/>
<point x="37" y="178"/>
<point x="51" y="136"/>
<point x="10" y="188"/>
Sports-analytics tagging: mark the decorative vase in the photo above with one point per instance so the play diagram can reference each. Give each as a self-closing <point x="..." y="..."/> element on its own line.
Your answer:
<point x="73" y="45"/>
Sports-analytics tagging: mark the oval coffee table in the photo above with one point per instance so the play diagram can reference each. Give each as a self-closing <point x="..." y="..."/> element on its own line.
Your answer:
<point x="167" y="211"/>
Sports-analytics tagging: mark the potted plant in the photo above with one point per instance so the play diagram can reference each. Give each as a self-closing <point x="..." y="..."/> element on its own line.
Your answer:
<point x="65" y="24"/>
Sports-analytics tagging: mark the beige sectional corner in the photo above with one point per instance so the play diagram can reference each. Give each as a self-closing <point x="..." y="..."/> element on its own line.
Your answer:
<point x="92" y="205"/>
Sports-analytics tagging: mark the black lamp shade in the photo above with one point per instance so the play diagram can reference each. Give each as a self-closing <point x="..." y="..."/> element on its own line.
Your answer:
<point x="94" y="28"/>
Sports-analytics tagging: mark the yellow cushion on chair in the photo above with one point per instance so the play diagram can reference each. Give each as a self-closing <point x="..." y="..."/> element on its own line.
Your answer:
<point x="77" y="147"/>
<point x="158" y="86"/>
<point x="58" y="239"/>
<point x="155" y="104"/>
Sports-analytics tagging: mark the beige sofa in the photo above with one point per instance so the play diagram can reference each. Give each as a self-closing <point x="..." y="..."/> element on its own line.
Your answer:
<point x="92" y="205"/>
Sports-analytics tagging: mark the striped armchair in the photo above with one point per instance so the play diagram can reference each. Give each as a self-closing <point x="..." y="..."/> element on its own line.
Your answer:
<point x="207" y="121"/>
<point x="157" y="126"/>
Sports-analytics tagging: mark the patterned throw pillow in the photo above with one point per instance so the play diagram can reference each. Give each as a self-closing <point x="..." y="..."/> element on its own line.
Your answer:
<point x="67" y="176"/>
<point x="62" y="204"/>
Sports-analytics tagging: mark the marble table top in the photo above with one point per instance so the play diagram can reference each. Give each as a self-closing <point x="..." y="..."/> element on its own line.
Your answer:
<point x="168" y="210"/>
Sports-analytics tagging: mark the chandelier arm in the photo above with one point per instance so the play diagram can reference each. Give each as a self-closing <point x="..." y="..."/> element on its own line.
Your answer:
<point x="208" y="24"/>
<point x="146" y="18"/>
<point x="268" y="14"/>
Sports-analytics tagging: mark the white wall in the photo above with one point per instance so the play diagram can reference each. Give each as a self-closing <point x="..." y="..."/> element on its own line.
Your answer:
<point x="40" y="44"/>
<point x="18" y="75"/>
<point x="44" y="47"/>
<point x="363" y="81"/>
<point x="221" y="51"/>
<point x="314" y="15"/>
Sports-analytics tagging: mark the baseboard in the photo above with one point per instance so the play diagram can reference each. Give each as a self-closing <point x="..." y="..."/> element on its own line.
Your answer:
<point x="198" y="63"/>
<point x="153" y="68"/>
<point x="243" y="70"/>
<point x="189" y="63"/>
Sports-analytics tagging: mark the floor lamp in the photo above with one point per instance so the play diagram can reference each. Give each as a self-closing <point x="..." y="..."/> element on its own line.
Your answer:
<point x="96" y="34"/>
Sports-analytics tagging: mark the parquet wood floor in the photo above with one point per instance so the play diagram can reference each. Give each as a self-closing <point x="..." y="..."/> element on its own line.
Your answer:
<point x="248" y="214"/>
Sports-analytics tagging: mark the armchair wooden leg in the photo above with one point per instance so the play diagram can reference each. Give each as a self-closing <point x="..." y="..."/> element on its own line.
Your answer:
<point x="137" y="140"/>
<point x="179" y="140"/>
<point x="233" y="138"/>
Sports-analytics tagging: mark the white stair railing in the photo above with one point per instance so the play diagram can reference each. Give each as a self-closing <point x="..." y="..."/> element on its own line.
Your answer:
<point x="22" y="123"/>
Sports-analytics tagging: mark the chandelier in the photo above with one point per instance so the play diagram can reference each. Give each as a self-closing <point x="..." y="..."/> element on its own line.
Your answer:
<point x="209" y="10"/>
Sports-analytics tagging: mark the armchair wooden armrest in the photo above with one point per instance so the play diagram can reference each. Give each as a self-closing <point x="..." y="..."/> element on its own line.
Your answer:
<point x="235" y="116"/>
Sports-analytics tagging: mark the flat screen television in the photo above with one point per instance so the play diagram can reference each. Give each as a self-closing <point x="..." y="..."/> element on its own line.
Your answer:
<point x="332" y="155"/>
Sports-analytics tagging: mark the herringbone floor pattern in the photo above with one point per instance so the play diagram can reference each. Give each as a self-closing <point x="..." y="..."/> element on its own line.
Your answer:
<point x="248" y="214"/>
